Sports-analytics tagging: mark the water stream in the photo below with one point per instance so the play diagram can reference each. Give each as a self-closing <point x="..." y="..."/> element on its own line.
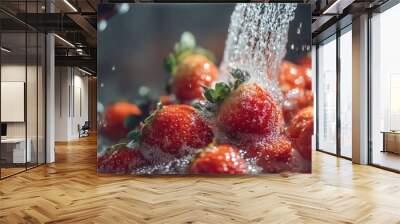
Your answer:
<point x="257" y="39"/>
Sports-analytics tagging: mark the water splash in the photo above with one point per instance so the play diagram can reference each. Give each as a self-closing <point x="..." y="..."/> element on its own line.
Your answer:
<point x="256" y="42"/>
<point x="257" y="39"/>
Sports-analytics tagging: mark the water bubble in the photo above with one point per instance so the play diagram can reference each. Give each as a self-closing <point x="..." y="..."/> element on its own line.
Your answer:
<point x="123" y="8"/>
<point x="144" y="91"/>
<point x="102" y="25"/>
<point x="113" y="68"/>
<point x="299" y="28"/>
<point x="101" y="85"/>
<point x="100" y="107"/>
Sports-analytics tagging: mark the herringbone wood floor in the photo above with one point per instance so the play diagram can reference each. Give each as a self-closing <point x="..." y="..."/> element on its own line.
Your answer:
<point x="70" y="191"/>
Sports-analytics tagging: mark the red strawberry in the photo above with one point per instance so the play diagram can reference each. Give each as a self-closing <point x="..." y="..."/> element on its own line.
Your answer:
<point x="301" y="130"/>
<point x="166" y="100"/>
<point x="113" y="126"/>
<point x="192" y="68"/>
<point x="249" y="109"/>
<point x="221" y="159"/>
<point x="194" y="72"/>
<point x="271" y="154"/>
<point x="306" y="62"/>
<point x="120" y="160"/>
<point x="174" y="127"/>
<point x="295" y="100"/>
<point x="293" y="76"/>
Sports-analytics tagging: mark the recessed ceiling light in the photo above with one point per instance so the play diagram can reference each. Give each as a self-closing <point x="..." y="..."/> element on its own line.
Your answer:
<point x="5" y="50"/>
<point x="64" y="40"/>
<point x="84" y="71"/>
<point x="70" y="5"/>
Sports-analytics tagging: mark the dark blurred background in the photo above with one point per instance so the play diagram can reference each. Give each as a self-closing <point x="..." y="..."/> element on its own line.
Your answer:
<point x="134" y="39"/>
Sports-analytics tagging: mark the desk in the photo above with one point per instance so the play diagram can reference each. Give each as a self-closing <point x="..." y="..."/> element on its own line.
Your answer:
<point x="13" y="150"/>
<point x="391" y="141"/>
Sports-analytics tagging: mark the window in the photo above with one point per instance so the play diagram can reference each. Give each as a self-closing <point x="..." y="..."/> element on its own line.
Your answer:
<point x="385" y="89"/>
<point x="346" y="93"/>
<point x="327" y="96"/>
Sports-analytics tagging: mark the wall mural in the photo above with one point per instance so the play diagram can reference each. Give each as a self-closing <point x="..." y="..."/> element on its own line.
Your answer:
<point x="204" y="88"/>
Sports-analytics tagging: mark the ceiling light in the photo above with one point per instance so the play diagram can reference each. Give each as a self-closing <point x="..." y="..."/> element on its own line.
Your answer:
<point x="337" y="7"/>
<point x="84" y="71"/>
<point x="64" y="40"/>
<point x="5" y="50"/>
<point x="70" y="5"/>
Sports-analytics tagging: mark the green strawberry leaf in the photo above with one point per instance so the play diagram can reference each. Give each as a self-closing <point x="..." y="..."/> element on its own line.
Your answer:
<point x="218" y="94"/>
<point x="151" y="116"/>
<point x="114" y="148"/>
<point x="134" y="135"/>
<point x="131" y="121"/>
<point x="188" y="41"/>
<point x="208" y="54"/>
<point x="170" y="64"/>
<point x="222" y="90"/>
<point x="240" y="77"/>
<point x="182" y="55"/>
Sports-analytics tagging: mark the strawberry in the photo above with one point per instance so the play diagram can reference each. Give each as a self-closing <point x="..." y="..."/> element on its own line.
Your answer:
<point x="220" y="159"/>
<point x="193" y="73"/>
<point x="114" y="126"/>
<point x="305" y="61"/>
<point x="271" y="154"/>
<point x="166" y="100"/>
<point x="300" y="131"/>
<point x="293" y="76"/>
<point x="245" y="108"/>
<point x="121" y="160"/>
<point x="295" y="100"/>
<point x="191" y="67"/>
<point x="172" y="128"/>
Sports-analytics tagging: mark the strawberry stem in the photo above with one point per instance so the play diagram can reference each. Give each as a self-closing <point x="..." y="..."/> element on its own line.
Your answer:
<point x="223" y="90"/>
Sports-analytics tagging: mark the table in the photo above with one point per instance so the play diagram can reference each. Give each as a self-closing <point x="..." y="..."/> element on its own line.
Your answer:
<point x="391" y="141"/>
<point x="13" y="150"/>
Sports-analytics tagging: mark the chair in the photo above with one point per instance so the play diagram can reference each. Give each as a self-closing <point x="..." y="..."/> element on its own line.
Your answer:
<point x="84" y="130"/>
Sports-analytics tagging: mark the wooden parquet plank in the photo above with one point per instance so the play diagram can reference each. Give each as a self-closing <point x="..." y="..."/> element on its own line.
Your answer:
<point x="70" y="191"/>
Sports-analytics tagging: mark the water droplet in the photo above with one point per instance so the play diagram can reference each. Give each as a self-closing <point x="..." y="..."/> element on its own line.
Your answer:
<point x="113" y="68"/>
<point x="102" y="25"/>
<point x="299" y="28"/>
<point x="100" y="107"/>
<point x="123" y="8"/>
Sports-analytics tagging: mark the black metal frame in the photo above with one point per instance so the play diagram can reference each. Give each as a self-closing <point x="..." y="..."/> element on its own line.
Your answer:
<point x="44" y="71"/>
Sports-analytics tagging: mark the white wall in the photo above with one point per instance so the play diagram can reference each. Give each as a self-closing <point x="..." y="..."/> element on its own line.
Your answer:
<point x="71" y="94"/>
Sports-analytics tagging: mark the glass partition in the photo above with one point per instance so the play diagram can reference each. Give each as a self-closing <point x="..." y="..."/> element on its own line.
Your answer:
<point x="22" y="101"/>
<point x="13" y="95"/>
<point x="327" y="96"/>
